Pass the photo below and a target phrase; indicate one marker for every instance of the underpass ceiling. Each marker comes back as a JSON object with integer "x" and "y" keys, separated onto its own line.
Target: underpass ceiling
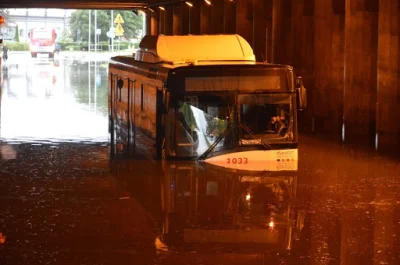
{"x": 77, "y": 4}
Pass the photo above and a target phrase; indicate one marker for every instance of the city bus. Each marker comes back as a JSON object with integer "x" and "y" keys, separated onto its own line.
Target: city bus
{"x": 206, "y": 98}
{"x": 43, "y": 41}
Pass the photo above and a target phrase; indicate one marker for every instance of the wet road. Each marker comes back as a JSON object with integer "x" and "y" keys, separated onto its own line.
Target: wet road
{"x": 63, "y": 200}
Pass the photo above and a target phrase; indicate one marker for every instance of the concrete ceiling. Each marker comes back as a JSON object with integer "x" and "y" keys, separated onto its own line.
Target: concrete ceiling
{"x": 77, "y": 4}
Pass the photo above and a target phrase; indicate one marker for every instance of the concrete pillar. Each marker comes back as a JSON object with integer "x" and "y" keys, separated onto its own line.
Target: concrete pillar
{"x": 176, "y": 28}
{"x": 260, "y": 28}
{"x": 388, "y": 122}
{"x": 282, "y": 45}
{"x": 205, "y": 11}
{"x": 195, "y": 14}
{"x": 327, "y": 97}
{"x": 169, "y": 20}
{"x": 360, "y": 84}
{"x": 229, "y": 17}
{"x": 244, "y": 19}
{"x": 217, "y": 17}
{"x": 148, "y": 22}
{"x": 184, "y": 18}
{"x": 154, "y": 18}
{"x": 161, "y": 21}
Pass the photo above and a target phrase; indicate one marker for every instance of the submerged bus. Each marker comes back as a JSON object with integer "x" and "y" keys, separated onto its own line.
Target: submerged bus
{"x": 205, "y": 98}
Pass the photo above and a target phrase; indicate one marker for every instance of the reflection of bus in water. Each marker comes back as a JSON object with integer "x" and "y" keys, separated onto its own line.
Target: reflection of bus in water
{"x": 42, "y": 40}
{"x": 208, "y": 209}
{"x": 202, "y": 209}
{"x": 205, "y": 98}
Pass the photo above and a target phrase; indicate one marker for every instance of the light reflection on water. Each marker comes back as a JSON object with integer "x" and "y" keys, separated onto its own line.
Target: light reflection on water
{"x": 46, "y": 100}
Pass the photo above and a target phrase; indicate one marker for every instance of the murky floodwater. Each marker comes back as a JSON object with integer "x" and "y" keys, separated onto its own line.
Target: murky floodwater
{"x": 52, "y": 100}
{"x": 63, "y": 200}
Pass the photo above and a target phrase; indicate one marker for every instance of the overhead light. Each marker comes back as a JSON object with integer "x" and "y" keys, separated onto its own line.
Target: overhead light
{"x": 271, "y": 224}
{"x": 162, "y": 8}
{"x": 208, "y": 2}
{"x": 189, "y": 3}
{"x": 151, "y": 9}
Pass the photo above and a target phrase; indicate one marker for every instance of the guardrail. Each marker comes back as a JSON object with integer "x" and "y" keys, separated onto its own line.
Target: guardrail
{"x": 96, "y": 47}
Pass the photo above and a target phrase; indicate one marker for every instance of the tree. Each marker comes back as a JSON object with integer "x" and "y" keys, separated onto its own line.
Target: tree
{"x": 79, "y": 24}
{"x": 65, "y": 36}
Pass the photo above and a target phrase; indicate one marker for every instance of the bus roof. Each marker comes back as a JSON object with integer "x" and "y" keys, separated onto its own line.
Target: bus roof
{"x": 194, "y": 48}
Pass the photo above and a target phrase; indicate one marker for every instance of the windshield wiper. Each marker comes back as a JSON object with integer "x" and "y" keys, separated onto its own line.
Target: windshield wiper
{"x": 248, "y": 130}
{"x": 211, "y": 148}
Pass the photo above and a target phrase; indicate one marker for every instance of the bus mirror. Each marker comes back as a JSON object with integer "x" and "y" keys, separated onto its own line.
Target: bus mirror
{"x": 167, "y": 98}
{"x": 299, "y": 81}
{"x": 301, "y": 93}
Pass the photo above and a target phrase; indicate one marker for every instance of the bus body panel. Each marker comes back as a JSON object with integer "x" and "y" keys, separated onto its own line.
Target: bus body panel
{"x": 134, "y": 107}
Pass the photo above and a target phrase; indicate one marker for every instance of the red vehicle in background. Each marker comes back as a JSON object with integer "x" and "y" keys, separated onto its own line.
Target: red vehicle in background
{"x": 42, "y": 40}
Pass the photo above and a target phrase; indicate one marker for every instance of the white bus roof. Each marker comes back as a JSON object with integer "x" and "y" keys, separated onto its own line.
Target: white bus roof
{"x": 193, "y": 48}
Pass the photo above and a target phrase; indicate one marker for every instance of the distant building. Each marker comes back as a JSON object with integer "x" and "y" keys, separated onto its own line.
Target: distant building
{"x": 28, "y": 18}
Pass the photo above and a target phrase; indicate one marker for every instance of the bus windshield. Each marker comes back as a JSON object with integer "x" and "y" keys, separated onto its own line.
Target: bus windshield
{"x": 200, "y": 122}
{"x": 42, "y": 34}
{"x": 219, "y": 121}
{"x": 265, "y": 118}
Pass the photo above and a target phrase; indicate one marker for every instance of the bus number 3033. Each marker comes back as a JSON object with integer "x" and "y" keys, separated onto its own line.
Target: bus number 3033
{"x": 237, "y": 161}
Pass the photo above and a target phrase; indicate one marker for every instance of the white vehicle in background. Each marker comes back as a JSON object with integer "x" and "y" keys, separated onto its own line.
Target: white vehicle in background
{"x": 42, "y": 40}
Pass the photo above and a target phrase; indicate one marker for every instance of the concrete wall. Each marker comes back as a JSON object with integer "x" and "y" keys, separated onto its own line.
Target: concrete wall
{"x": 346, "y": 50}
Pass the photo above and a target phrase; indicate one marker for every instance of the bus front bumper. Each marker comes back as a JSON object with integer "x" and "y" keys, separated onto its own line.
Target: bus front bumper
{"x": 258, "y": 160}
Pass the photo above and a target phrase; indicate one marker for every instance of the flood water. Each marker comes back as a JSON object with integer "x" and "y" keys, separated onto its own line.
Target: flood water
{"x": 64, "y": 200}
{"x": 53, "y": 100}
